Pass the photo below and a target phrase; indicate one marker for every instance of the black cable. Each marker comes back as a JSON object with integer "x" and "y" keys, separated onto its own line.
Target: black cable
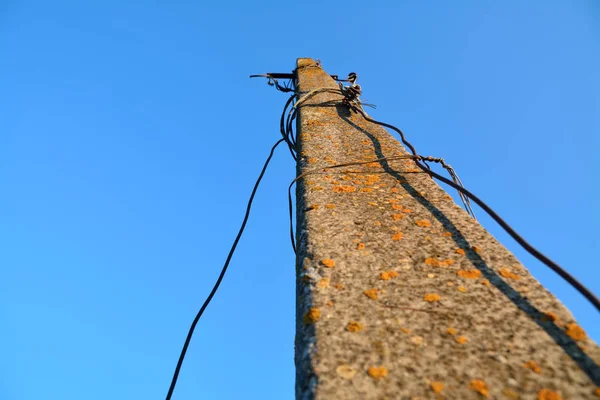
{"x": 218, "y": 282}
{"x": 530, "y": 249}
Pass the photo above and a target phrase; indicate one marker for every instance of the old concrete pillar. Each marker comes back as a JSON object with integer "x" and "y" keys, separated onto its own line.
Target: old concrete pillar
{"x": 401, "y": 294}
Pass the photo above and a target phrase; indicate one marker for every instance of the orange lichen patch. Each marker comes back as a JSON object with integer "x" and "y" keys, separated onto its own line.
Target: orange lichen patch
{"x": 469, "y": 273}
{"x": 423, "y": 223}
{"x": 485, "y": 282}
{"x": 354, "y": 326}
{"x": 510, "y": 394}
{"x": 550, "y": 316}
{"x": 327, "y": 262}
{"x": 377, "y": 223}
{"x": 393, "y": 201}
{"x": 330, "y": 303}
{"x": 575, "y": 332}
{"x": 480, "y": 387}
{"x": 432, "y": 297}
{"x": 597, "y": 392}
{"x": 394, "y": 190}
{"x": 312, "y": 160}
{"x": 462, "y": 340}
{"x": 373, "y": 165}
{"x": 460, "y": 251}
{"x": 547, "y": 394}
{"x": 451, "y": 331}
{"x": 316, "y": 188}
{"x": 323, "y": 283}
{"x": 397, "y": 217}
{"x": 437, "y": 387}
{"x": 344, "y": 189}
{"x": 462, "y": 289}
{"x": 505, "y": 272}
{"x": 314, "y": 122}
{"x": 314, "y": 206}
{"x": 360, "y": 246}
{"x": 338, "y": 286}
{"x": 397, "y": 236}
{"x": 476, "y": 249}
{"x": 372, "y": 179}
{"x": 327, "y": 177}
{"x": 405, "y": 330}
{"x": 377, "y": 372}
{"x": 407, "y": 211}
{"x": 372, "y": 203}
{"x": 330, "y": 206}
{"x": 532, "y": 365}
{"x": 447, "y": 234}
{"x": 397, "y": 207}
{"x": 373, "y": 294}
{"x": 366, "y": 190}
{"x": 312, "y": 316}
{"x": 387, "y": 275}
{"x": 434, "y": 262}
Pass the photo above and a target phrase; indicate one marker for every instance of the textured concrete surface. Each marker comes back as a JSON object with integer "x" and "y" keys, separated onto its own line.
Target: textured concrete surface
{"x": 401, "y": 294}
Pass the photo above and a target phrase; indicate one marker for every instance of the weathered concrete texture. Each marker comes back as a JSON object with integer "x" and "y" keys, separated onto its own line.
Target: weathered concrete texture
{"x": 402, "y": 295}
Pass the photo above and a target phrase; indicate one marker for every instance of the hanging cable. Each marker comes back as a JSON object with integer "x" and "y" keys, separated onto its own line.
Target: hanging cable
{"x": 528, "y": 247}
{"x": 221, "y": 275}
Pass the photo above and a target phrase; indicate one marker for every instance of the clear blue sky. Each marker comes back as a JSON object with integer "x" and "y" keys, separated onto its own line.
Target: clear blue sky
{"x": 130, "y": 138}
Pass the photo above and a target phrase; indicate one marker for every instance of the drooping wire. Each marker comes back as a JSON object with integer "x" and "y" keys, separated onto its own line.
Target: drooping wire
{"x": 222, "y": 274}
{"x": 520, "y": 240}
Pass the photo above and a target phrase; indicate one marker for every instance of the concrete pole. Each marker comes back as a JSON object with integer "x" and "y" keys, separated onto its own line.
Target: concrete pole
{"x": 401, "y": 294}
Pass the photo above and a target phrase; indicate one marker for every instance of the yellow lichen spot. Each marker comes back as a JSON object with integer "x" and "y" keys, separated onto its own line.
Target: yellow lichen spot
{"x": 462, "y": 340}
{"x": 547, "y": 394}
{"x": 460, "y": 251}
{"x": 397, "y": 236}
{"x": 344, "y": 189}
{"x": 485, "y": 282}
{"x": 372, "y": 179}
{"x": 434, "y": 262}
{"x": 405, "y": 330}
{"x": 377, "y": 372}
{"x": 360, "y": 246}
{"x": 312, "y": 316}
{"x": 387, "y": 275}
{"x": 575, "y": 332}
{"x": 354, "y": 326}
{"x": 469, "y": 273}
{"x": 532, "y": 365}
{"x": 480, "y": 387}
{"x": 345, "y": 371}
{"x": 394, "y": 190}
{"x": 397, "y": 207}
{"x": 462, "y": 289}
{"x": 397, "y": 217}
{"x": 330, "y": 206}
{"x": 506, "y": 273}
{"x": 312, "y": 160}
{"x": 451, "y": 331}
{"x": 372, "y": 203}
{"x": 327, "y": 262}
{"x": 366, "y": 190}
{"x": 323, "y": 283}
{"x": 371, "y": 293}
{"x": 437, "y": 387}
{"x": 423, "y": 223}
{"x": 432, "y": 297}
